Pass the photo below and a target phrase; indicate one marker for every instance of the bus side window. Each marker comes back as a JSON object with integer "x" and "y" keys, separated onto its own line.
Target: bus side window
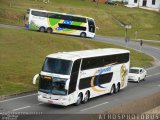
{"x": 74, "y": 76}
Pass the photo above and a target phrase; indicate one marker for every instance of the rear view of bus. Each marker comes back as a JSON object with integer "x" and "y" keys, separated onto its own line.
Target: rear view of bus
{"x": 62, "y": 23}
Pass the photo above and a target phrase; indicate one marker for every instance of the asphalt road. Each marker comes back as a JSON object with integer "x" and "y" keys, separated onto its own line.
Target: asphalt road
{"x": 97, "y": 105}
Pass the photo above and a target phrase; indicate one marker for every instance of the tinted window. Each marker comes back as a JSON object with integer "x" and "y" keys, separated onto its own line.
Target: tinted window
{"x": 79, "y": 19}
{"x": 153, "y": 2}
{"x": 66, "y": 17}
{"x": 57, "y": 66}
{"x": 74, "y": 76}
{"x": 100, "y": 61}
{"x": 72, "y": 27}
{"x": 91, "y": 25}
{"x": 38, "y": 13}
{"x": 51, "y": 86}
{"x": 136, "y": 71}
{"x": 76, "y": 66}
{"x": 98, "y": 80}
{"x": 122, "y": 58}
{"x": 135, "y": 1}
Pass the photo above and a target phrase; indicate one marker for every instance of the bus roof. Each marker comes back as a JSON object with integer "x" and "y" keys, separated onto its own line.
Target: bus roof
{"x": 87, "y": 53}
{"x": 60, "y": 13}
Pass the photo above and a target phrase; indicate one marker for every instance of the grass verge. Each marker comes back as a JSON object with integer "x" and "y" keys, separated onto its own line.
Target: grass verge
{"x": 156, "y": 44}
{"x": 145, "y": 22}
{"x": 22, "y": 54}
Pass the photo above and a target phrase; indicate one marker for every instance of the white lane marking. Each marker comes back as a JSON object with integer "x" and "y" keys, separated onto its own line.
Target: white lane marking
{"x": 18, "y": 98}
{"x": 153, "y": 75}
{"x": 94, "y": 106}
{"x": 152, "y": 67}
{"x": 21, "y": 108}
{"x": 40, "y": 103}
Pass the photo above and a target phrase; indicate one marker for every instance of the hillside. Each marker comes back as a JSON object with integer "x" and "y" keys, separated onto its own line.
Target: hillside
{"x": 145, "y": 22}
{"x": 22, "y": 54}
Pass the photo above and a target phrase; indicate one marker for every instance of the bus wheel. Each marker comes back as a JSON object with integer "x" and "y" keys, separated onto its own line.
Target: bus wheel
{"x": 86, "y": 97}
{"x": 138, "y": 80}
{"x": 79, "y": 99}
{"x": 42, "y": 29}
{"x": 49, "y": 30}
{"x": 118, "y": 87}
{"x": 112, "y": 90}
{"x": 83, "y": 34}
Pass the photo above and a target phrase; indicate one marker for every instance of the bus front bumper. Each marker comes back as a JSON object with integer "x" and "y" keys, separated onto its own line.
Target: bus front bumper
{"x": 52, "y": 101}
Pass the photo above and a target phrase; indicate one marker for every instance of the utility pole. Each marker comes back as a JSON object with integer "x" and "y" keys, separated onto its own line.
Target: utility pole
{"x": 138, "y": 3}
{"x": 136, "y": 33}
{"x": 127, "y": 26}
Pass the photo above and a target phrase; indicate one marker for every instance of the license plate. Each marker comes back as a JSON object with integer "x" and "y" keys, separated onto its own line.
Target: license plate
{"x": 50, "y": 101}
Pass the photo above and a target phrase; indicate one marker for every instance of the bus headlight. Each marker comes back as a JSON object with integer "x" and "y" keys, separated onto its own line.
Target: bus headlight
{"x": 63, "y": 98}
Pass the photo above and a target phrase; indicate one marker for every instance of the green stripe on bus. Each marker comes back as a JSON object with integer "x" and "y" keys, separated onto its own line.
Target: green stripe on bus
{"x": 53, "y": 21}
{"x": 67, "y": 30}
{"x": 76, "y": 23}
{"x": 32, "y": 26}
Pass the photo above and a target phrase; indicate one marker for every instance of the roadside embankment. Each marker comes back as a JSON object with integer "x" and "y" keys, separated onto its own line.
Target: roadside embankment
{"x": 138, "y": 106}
{"x": 155, "y": 110}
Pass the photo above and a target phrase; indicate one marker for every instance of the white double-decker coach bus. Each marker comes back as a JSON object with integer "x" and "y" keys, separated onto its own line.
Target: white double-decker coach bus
{"x": 74, "y": 77}
{"x": 62, "y": 23}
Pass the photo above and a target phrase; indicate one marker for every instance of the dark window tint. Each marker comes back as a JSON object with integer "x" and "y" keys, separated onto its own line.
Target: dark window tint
{"x": 72, "y": 27}
{"x": 135, "y": 1}
{"x": 38, "y": 13}
{"x": 91, "y": 25}
{"x": 98, "y": 80}
{"x": 76, "y": 66}
{"x": 45, "y": 84}
{"x": 79, "y": 19}
{"x": 74, "y": 76}
{"x": 122, "y": 58}
{"x": 136, "y": 71}
{"x": 58, "y": 66}
{"x": 66, "y": 17}
{"x": 100, "y": 61}
{"x": 51, "y": 86}
{"x": 153, "y": 2}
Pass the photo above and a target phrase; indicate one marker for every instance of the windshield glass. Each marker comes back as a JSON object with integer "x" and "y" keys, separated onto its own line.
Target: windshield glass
{"x": 136, "y": 71}
{"x": 57, "y": 66}
{"x": 91, "y": 25}
{"x": 52, "y": 86}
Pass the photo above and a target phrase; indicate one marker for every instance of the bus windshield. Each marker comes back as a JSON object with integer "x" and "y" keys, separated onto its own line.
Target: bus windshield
{"x": 55, "y": 87}
{"x": 57, "y": 66}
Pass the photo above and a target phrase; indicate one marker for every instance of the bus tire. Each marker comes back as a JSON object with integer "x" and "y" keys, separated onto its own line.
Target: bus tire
{"x": 144, "y": 78}
{"x": 86, "y": 97}
{"x": 83, "y": 34}
{"x": 42, "y": 29}
{"x": 118, "y": 87}
{"x": 112, "y": 89}
{"x": 49, "y": 30}
{"x": 79, "y": 100}
{"x": 138, "y": 80}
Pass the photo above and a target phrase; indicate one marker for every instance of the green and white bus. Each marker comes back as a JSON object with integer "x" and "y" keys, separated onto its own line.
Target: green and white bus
{"x": 62, "y": 23}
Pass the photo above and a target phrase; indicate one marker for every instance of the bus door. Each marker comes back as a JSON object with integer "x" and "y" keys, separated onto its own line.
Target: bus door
{"x": 91, "y": 25}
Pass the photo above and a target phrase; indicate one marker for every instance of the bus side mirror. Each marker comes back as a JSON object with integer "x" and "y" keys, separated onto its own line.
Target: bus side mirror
{"x": 35, "y": 78}
{"x": 67, "y": 85}
{"x": 97, "y": 27}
